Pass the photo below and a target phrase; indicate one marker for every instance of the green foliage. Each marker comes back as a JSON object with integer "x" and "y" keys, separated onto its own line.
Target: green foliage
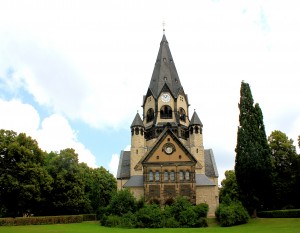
{"x": 100, "y": 185}
{"x": 121, "y": 203}
{"x": 253, "y": 157}
{"x": 229, "y": 187}
{"x": 201, "y": 210}
{"x": 67, "y": 196}
{"x": 20, "y": 221}
{"x": 22, "y": 174}
{"x": 150, "y": 216}
{"x": 232, "y": 214}
{"x": 285, "y": 173}
{"x": 295, "y": 213}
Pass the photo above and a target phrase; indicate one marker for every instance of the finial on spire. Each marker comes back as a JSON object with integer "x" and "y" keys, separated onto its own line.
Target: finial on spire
{"x": 164, "y": 24}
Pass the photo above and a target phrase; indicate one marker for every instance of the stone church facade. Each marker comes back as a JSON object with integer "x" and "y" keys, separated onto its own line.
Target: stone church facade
{"x": 167, "y": 156}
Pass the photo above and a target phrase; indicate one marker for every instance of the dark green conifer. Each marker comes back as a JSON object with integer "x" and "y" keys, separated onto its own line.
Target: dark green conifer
{"x": 253, "y": 157}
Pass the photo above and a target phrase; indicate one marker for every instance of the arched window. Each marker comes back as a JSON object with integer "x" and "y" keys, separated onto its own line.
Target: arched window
{"x": 137, "y": 131}
{"x": 196, "y": 130}
{"x": 191, "y": 130}
{"x": 166, "y": 112}
{"x": 181, "y": 177}
{"x": 187, "y": 175}
{"x": 182, "y": 115}
{"x": 172, "y": 176}
{"x": 157, "y": 176}
{"x": 150, "y": 115}
{"x": 166, "y": 176}
{"x": 150, "y": 176}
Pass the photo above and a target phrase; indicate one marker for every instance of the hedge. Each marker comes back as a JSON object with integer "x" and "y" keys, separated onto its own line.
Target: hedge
{"x": 41, "y": 220}
{"x": 294, "y": 213}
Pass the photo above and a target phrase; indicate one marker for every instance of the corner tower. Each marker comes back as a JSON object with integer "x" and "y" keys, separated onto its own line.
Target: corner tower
{"x": 167, "y": 156}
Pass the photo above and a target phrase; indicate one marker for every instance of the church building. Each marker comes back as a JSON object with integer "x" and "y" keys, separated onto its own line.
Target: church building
{"x": 167, "y": 156}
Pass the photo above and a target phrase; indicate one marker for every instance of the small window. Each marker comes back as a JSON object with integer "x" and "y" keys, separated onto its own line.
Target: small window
{"x": 165, "y": 78}
{"x": 150, "y": 176}
{"x": 187, "y": 175}
{"x": 179, "y": 156}
{"x": 164, "y": 59}
{"x": 137, "y": 131}
{"x": 157, "y": 157}
{"x": 157, "y": 176}
{"x": 166, "y": 176}
{"x": 137, "y": 151}
{"x": 172, "y": 176}
{"x": 181, "y": 175}
{"x": 196, "y": 130}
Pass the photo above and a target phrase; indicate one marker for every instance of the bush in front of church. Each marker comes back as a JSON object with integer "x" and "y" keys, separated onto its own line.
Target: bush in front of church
{"x": 231, "y": 213}
{"x": 125, "y": 211}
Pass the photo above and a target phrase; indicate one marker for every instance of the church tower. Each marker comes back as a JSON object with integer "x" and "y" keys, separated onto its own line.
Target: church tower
{"x": 167, "y": 156}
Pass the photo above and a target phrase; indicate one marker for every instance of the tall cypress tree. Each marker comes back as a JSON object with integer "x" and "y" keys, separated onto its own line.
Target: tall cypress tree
{"x": 253, "y": 157}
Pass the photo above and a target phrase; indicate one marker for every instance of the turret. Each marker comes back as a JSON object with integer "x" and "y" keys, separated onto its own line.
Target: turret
{"x": 196, "y": 142}
{"x": 137, "y": 144}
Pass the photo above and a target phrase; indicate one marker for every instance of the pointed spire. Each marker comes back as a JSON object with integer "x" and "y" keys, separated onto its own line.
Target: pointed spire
{"x": 165, "y": 73}
{"x": 195, "y": 120}
{"x": 137, "y": 121}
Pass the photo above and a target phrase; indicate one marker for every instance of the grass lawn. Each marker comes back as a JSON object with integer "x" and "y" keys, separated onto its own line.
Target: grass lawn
{"x": 262, "y": 225}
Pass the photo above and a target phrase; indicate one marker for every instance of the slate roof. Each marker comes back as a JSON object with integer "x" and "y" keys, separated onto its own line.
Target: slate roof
{"x": 210, "y": 164}
{"x": 165, "y": 74}
{"x": 195, "y": 120}
{"x": 124, "y": 165}
{"x": 134, "y": 181}
{"x": 202, "y": 180}
{"x": 137, "y": 121}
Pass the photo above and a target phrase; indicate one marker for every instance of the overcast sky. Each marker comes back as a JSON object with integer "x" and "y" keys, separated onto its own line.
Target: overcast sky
{"x": 73, "y": 73}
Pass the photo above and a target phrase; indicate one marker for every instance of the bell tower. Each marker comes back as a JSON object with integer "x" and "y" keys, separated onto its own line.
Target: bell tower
{"x": 165, "y": 102}
{"x": 167, "y": 157}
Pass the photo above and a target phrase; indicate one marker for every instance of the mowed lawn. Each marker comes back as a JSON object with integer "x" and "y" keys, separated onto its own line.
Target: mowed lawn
{"x": 270, "y": 225}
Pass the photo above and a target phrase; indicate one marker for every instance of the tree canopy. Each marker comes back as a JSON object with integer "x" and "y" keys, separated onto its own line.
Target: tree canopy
{"x": 36, "y": 182}
{"x": 285, "y": 171}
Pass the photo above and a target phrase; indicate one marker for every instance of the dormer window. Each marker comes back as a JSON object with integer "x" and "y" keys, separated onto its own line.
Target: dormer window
{"x": 166, "y": 112}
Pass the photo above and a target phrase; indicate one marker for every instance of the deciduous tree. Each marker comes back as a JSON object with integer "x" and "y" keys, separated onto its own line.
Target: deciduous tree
{"x": 24, "y": 183}
{"x": 285, "y": 170}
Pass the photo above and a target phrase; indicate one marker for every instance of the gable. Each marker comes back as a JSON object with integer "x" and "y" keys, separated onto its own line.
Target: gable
{"x": 169, "y": 150}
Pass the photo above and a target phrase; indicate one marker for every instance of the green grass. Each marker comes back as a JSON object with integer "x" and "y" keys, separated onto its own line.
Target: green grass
{"x": 262, "y": 225}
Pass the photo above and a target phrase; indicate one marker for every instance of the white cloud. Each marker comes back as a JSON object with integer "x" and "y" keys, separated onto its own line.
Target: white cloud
{"x": 54, "y": 134}
{"x": 113, "y": 164}
{"x": 93, "y": 60}
{"x": 19, "y": 117}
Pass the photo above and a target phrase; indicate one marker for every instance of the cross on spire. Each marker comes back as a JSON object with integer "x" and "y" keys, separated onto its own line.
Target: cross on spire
{"x": 164, "y": 24}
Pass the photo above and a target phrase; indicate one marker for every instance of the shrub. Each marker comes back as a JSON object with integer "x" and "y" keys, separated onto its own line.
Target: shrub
{"x": 41, "y": 220}
{"x": 112, "y": 221}
{"x": 232, "y": 214}
{"x": 201, "y": 210}
{"x": 121, "y": 203}
{"x": 150, "y": 216}
{"x": 171, "y": 223}
{"x": 89, "y": 217}
{"x": 280, "y": 214}
{"x": 129, "y": 220}
{"x": 188, "y": 217}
